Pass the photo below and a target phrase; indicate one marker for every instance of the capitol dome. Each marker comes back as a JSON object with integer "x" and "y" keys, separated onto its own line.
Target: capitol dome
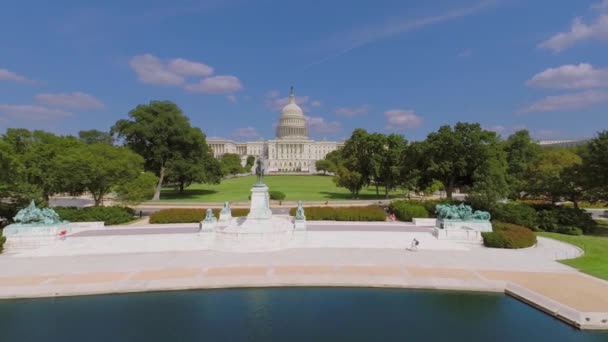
{"x": 292, "y": 123}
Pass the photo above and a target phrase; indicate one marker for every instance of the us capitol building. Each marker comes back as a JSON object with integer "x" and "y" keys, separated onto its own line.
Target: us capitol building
{"x": 291, "y": 151}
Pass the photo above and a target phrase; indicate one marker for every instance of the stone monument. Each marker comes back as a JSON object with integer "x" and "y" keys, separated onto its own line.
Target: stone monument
{"x": 35, "y": 227}
{"x": 209, "y": 223}
{"x": 461, "y": 222}
{"x": 31, "y": 215}
{"x": 225, "y": 213}
{"x": 260, "y": 199}
{"x": 299, "y": 222}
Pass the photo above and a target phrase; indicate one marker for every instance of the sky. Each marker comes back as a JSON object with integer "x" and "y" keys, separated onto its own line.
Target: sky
{"x": 400, "y": 66}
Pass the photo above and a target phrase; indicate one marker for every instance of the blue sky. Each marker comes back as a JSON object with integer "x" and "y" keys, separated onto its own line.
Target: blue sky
{"x": 388, "y": 66}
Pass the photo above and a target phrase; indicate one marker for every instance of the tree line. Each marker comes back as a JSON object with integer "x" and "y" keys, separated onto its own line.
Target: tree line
{"x": 155, "y": 146}
{"x": 473, "y": 160}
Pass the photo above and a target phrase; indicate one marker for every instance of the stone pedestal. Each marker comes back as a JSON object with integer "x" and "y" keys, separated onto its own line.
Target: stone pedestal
{"x": 299, "y": 224}
{"x": 208, "y": 226}
{"x": 33, "y": 236}
{"x": 479, "y": 226}
{"x": 260, "y": 203}
{"x": 225, "y": 216}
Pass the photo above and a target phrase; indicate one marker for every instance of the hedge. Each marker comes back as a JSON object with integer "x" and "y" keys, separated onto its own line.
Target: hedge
{"x": 510, "y": 236}
{"x": 277, "y": 195}
{"x": 109, "y": 215}
{"x": 2, "y": 241}
{"x": 515, "y": 213}
{"x": 556, "y": 219}
{"x": 189, "y": 215}
{"x": 368, "y": 213}
{"x": 406, "y": 211}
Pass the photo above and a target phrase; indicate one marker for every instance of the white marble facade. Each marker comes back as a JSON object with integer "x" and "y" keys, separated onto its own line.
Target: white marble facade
{"x": 291, "y": 150}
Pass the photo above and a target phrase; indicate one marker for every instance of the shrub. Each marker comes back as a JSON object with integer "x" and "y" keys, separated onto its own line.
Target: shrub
{"x": 515, "y": 213}
{"x": 178, "y": 216}
{"x": 551, "y": 218}
{"x": 369, "y": 213}
{"x": 406, "y": 211}
{"x": 189, "y": 215}
{"x": 507, "y": 235}
{"x": 493, "y": 240}
{"x": 237, "y": 212}
{"x": 569, "y": 230}
{"x": 2, "y": 241}
{"x": 109, "y": 215}
{"x": 277, "y": 195}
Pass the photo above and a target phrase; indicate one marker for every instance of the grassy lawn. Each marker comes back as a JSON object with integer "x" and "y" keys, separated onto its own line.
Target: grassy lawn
{"x": 307, "y": 188}
{"x": 595, "y": 259}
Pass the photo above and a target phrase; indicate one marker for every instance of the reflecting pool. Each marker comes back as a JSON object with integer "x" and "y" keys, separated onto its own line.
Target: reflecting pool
{"x": 283, "y": 314}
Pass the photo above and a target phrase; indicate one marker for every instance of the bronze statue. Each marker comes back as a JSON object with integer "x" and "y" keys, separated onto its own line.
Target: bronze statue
{"x": 259, "y": 171}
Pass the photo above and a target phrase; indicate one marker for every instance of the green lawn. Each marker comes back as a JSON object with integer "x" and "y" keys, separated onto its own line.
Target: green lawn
{"x": 306, "y": 188}
{"x": 595, "y": 259}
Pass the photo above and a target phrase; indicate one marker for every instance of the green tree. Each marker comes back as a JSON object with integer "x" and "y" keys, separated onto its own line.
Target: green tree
{"x": 413, "y": 176}
{"x": 335, "y": 158}
{"x": 390, "y": 168}
{"x": 357, "y": 162}
{"x": 15, "y": 191}
{"x": 325, "y": 166}
{"x": 249, "y": 163}
{"x": 461, "y": 156}
{"x": 160, "y": 133}
{"x": 350, "y": 180}
{"x": 137, "y": 190}
{"x": 595, "y": 166}
{"x": 94, "y": 136}
{"x": 522, "y": 154}
{"x": 98, "y": 168}
{"x": 195, "y": 165}
{"x": 231, "y": 164}
{"x": 37, "y": 153}
{"x": 553, "y": 174}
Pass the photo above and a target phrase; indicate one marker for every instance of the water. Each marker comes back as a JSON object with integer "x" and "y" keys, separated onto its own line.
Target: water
{"x": 283, "y": 314}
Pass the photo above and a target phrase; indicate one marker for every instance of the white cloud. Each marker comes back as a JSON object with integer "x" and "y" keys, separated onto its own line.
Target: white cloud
{"x": 277, "y": 103}
{"x": 216, "y": 85}
{"x": 7, "y": 75}
{"x": 189, "y": 68}
{"x": 579, "y": 31}
{"x": 400, "y": 119}
{"x": 570, "y": 76}
{"x": 151, "y": 70}
{"x": 231, "y": 98}
{"x": 319, "y": 125}
{"x": 245, "y": 132}
{"x": 580, "y": 100}
{"x": 75, "y": 100}
{"x": 316, "y": 104}
{"x": 353, "y": 111}
{"x": 29, "y": 112}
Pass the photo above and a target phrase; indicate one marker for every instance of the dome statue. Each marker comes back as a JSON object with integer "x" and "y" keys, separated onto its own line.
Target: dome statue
{"x": 292, "y": 123}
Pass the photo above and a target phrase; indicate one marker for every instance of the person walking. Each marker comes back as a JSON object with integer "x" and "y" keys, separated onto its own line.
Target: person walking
{"x": 414, "y": 246}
